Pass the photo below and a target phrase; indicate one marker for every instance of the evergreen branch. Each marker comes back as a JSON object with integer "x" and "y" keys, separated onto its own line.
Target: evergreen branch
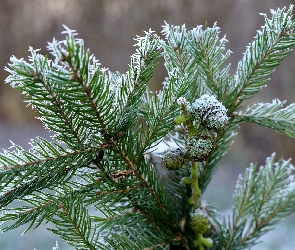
{"x": 261, "y": 199}
{"x": 144, "y": 182}
{"x": 74, "y": 224}
{"x": 177, "y": 53}
{"x": 198, "y": 58}
{"x": 109, "y": 121}
{"x": 269, "y": 47}
{"x": 180, "y": 62}
{"x": 158, "y": 191}
{"x": 143, "y": 177}
{"x": 147, "y": 184}
{"x": 23, "y": 215}
{"x": 77, "y": 61}
{"x": 133, "y": 85}
{"x": 44, "y": 205}
{"x": 86, "y": 81}
{"x": 95, "y": 91}
{"x": 143, "y": 173}
{"x": 71, "y": 47}
{"x": 271, "y": 115}
{"x": 24, "y": 172}
{"x": 32, "y": 78}
{"x": 131, "y": 90}
{"x": 137, "y": 208}
{"x": 159, "y": 115}
{"x": 136, "y": 237}
{"x": 210, "y": 57}
{"x": 159, "y": 110}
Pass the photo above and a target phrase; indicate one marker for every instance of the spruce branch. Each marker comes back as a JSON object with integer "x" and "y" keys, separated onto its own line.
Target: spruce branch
{"x": 271, "y": 115}
{"x": 34, "y": 216}
{"x": 95, "y": 182}
{"x": 268, "y": 49}
{"x": 36, "y": 80}
{"x": 72, "y": 70}
{"x": 73, "y": 224}
{"x": 209, "y": 52}
{"x": 88, "y": 82}
{"x": 176, "y": 48}
{"x": 262, "y": 198}
{"x": 131, "y": 87}
{"x": 198, "y": 55}
{"x": 24, "y": 172}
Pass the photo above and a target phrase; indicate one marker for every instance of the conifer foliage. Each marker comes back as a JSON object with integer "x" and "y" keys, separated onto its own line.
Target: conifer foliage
{"x": 94, "y": 181}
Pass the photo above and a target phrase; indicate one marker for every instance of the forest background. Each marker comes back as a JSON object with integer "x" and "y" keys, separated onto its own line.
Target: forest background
{"x": 108, "y": 28}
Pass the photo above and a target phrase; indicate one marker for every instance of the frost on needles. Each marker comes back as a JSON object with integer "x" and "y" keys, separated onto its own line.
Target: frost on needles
{"x": 94, "y": 180}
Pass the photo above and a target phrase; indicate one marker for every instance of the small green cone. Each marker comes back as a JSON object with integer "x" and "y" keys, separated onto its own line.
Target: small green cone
{"x": 199, "y": 222}
{"x": 199, "y": 147}
{"x": 173, "y": 159}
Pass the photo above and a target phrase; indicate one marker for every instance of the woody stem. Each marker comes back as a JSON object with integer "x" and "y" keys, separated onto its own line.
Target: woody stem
{"x": 196, "y": 191}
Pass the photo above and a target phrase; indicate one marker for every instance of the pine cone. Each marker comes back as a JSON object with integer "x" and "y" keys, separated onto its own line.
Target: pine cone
{"x": 199, "y": 147}
{"x": 173, "y": 159}
{"x": 210, "y": 112}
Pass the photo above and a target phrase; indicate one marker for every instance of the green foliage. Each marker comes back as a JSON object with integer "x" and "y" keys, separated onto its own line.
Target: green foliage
{"x": 269, "y": 47}
{"x": 261, "y": 199}
{"x": 94, "y": 181}
{"x": 271, "y": 115}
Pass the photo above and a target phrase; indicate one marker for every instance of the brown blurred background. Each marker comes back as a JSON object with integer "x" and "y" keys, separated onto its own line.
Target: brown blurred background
{"x": 108, "y": 28}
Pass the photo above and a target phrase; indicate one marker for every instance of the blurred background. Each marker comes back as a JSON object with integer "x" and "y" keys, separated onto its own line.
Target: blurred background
{"x": 108, "y": 28}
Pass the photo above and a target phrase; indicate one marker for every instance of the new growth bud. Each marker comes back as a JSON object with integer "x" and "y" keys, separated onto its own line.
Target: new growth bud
{"x": 173, "y": 159}
{"x": 199, "y": 147}
{"x": 199, "y": 222}
{"x": 209, "y": 111}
